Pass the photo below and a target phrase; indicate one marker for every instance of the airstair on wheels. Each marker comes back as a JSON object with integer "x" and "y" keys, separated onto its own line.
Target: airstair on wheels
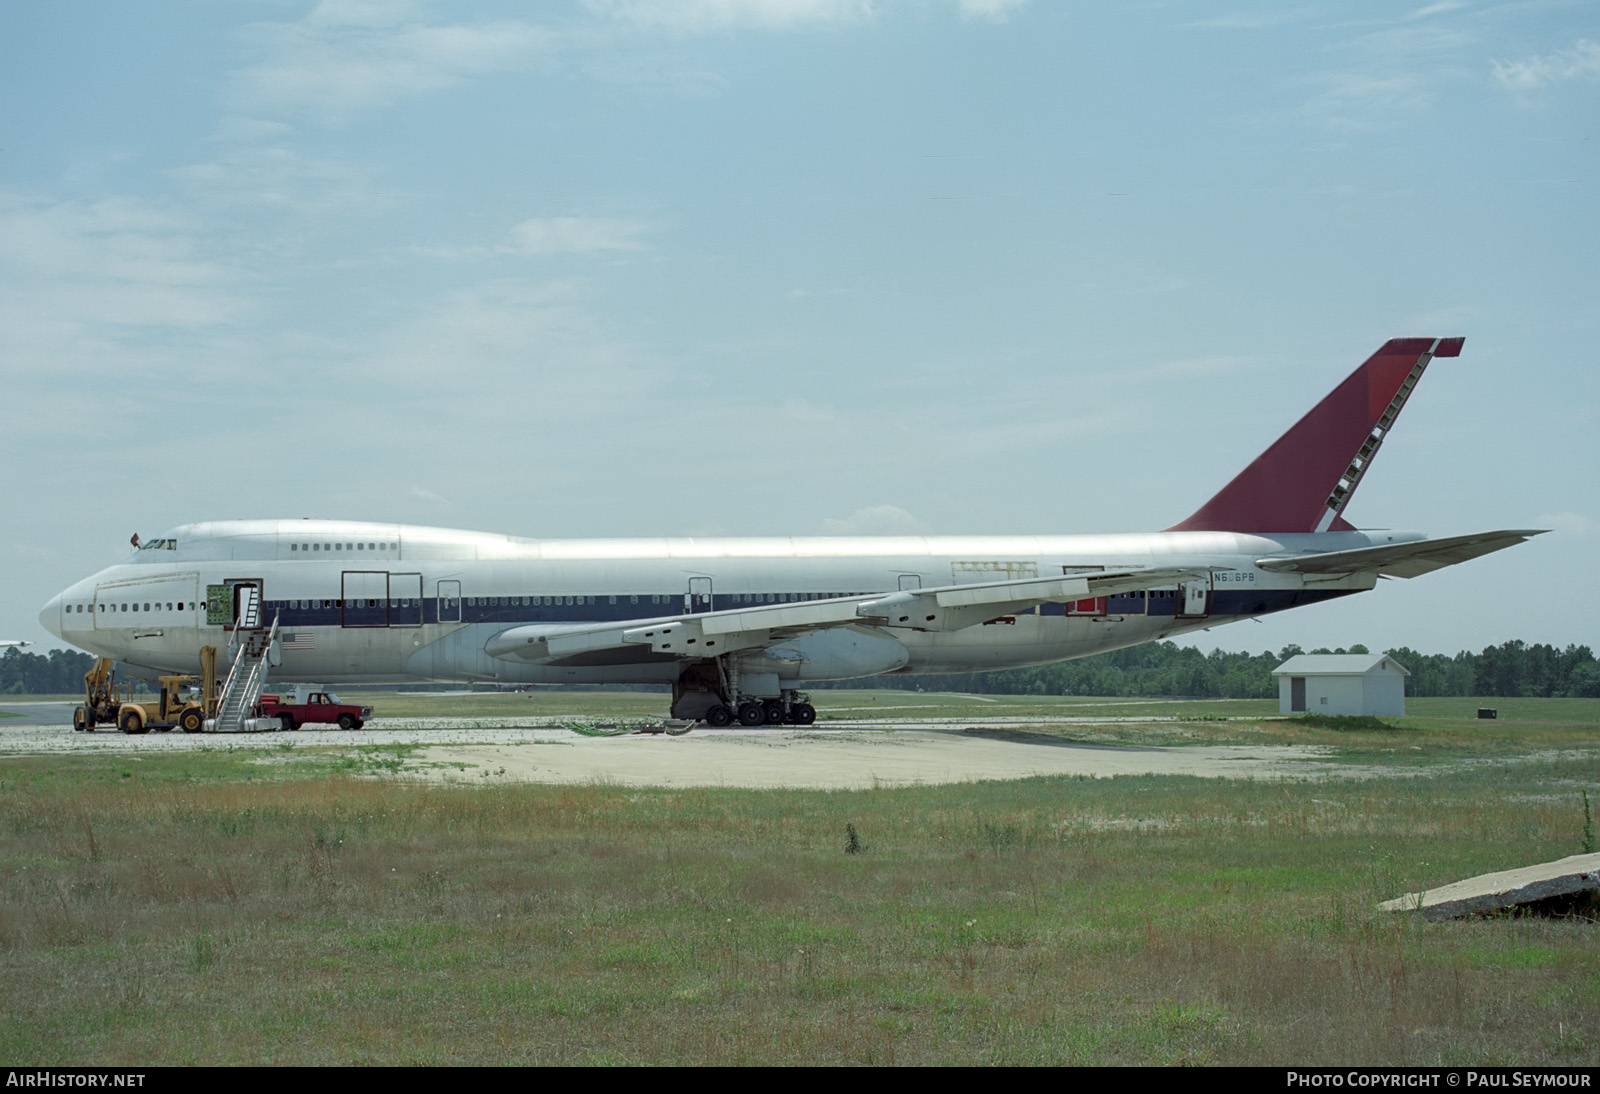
{"x": 250, "y": 646}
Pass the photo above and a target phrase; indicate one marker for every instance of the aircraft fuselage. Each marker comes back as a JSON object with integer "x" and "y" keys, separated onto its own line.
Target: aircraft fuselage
{"x": 386, "y": 603}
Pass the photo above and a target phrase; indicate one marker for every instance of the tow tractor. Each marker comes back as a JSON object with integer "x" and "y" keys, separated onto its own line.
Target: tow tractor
{"x": 106, "y": 702}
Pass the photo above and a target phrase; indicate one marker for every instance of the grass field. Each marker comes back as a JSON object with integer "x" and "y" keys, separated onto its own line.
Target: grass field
{"x": 205, "y": 908}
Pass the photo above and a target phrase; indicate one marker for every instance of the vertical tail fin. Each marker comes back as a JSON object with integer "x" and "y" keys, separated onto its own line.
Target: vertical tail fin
{"x": 1304, "y": 481}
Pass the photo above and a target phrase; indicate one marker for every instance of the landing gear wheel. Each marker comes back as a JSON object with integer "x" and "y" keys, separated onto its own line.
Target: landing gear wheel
{"x": 191, "y": 722}
{"x": 802, "y": 714}
{"x": 130, "y": 722}
{"x": 751, "y": 714}
{"x": 719, "y": 716}
{"x": 346, "y": 722}
{"x": 287, "y": 722}
{"x": 772, "y": 712}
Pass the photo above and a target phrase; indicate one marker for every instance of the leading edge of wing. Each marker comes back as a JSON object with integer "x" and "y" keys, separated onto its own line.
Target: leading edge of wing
{"x": 708, "y": 634}
{"x": 1403, "y": 559}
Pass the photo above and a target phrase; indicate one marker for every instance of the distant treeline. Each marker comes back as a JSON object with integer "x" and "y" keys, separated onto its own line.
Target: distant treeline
{"x": 1155, "y": 668}
{"x": 1167, "y": 669}
{"x": 55, "y": 673}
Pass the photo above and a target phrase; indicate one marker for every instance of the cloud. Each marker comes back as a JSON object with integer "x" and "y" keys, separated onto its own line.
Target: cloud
{"x": 1263, "y": 19}
{"x": 995, "y": 11}
{"x": 1364, "y": 101}
{"x": 550, "y": 236}
{"x": 250, "y": 130}
{"x": 345, "y": 57}
{"x": 504, "y": 336}
{"x": 114, "y": 311}
{"x": 278, "y": 178}
{"x": 1581, "y": 62}
{"x": 701, "y": 16}
{"x": 1567, "y": 523}
{"x": 76, "y": 265}
{"x": 706, "y": 16}
{"x": 574, "y": 235}
{"x": 875, "y": 520}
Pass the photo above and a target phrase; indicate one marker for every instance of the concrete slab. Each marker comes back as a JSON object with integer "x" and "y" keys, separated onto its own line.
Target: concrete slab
{"x": 1504, "y": 890}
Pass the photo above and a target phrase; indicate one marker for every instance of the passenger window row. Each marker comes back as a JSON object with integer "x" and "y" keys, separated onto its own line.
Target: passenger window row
{"x": 124, "y": 606}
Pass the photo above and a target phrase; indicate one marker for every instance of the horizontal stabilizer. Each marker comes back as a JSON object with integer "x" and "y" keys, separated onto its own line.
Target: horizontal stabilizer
{"x": 1401, "y": 559}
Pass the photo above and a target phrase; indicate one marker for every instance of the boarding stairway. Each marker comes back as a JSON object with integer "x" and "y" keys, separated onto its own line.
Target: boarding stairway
{"x": 250, "y": 645}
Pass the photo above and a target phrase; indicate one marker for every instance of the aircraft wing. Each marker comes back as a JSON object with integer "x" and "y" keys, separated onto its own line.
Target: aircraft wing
{"x": 708, "y": 634}
{"x": 1401, "y": 559}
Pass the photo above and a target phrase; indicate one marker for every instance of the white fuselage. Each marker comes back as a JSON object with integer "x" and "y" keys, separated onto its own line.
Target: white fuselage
{"x": 384, "y": 603}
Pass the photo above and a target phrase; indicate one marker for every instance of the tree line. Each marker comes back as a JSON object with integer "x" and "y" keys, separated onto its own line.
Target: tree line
{"x": 58, "y": 672}
{"x": 1512, "y": 669}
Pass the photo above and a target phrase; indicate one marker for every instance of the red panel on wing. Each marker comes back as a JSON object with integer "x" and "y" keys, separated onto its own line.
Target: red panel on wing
{"x": 1287, "y": 487}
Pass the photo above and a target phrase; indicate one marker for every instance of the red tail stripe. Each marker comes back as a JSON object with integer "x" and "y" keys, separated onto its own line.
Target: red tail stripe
{"x": 1287, "y": 487}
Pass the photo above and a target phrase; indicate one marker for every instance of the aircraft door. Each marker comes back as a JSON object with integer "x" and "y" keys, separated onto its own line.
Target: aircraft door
{"x": 161, "y": 602}
{"x": 698, "y": 598}
{"x": 449, "y": 601}
{"x": 364, "y": 599}
{"x": 910, "y": 582}
{"x": 405, "y": 600}
{"x": 1195, "y": 598}
{"x": 236, "y": 604}
{"x": 247, "y": 607}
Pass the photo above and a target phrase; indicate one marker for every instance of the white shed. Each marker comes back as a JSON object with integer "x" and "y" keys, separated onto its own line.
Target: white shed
{"x": 1341, "y": 683}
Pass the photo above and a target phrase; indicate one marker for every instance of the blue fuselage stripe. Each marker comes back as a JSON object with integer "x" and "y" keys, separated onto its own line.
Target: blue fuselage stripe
{"x": 519, "y": 610}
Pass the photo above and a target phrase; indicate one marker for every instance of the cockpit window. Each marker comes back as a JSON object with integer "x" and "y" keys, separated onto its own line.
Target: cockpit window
{"x": 159, "y": 545}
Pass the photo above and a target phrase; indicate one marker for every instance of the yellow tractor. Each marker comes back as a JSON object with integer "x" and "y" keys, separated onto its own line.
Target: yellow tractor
{"x": 107, "y": 702}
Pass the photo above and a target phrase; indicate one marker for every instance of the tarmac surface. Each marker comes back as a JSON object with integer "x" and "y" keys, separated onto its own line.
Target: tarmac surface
{"x": 837, "y": 754}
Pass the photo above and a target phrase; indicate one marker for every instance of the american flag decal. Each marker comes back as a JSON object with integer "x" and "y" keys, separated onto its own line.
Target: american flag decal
{"x": 298, "y": 640}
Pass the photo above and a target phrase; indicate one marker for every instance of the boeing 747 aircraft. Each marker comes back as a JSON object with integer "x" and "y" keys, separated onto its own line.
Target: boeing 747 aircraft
{"x": 738, "y": 626}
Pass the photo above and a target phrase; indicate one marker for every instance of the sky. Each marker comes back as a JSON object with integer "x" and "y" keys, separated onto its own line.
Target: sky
{"x": 710, "y": 267}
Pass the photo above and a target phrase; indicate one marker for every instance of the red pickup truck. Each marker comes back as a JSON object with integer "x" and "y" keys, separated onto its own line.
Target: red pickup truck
{"x": 318, "y": 706}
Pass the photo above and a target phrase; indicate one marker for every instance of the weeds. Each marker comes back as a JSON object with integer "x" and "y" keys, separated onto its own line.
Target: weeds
{"x": 852, "y": 841}
{"x": 328, "y": 917}
{"x": 1342, "y": 722}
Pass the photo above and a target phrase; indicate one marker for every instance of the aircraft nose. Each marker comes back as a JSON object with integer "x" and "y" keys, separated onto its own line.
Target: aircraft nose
{"x": 50, "y": 616}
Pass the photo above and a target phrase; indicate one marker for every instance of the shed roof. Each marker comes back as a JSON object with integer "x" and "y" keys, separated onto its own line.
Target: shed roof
{"x": 1338, "y": 664}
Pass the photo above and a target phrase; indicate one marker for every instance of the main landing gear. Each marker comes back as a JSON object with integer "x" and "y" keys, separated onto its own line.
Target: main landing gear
{"x": 787, "y": 711}
{"x": 711, "y": 692}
